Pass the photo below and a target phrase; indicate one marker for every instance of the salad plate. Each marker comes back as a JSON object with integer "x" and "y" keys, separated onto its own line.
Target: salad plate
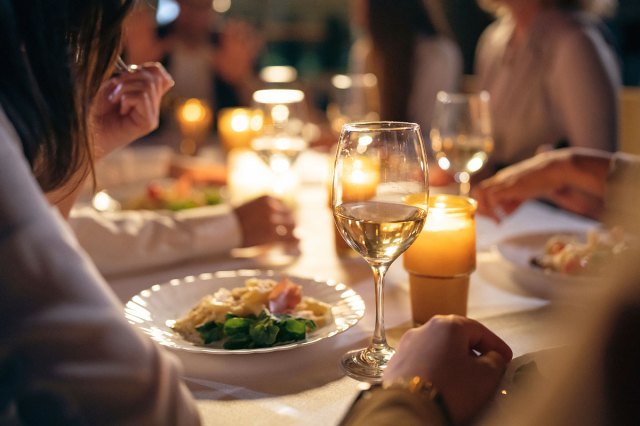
{"x": 156, "y": 309}
{"x": 162, "y": 194}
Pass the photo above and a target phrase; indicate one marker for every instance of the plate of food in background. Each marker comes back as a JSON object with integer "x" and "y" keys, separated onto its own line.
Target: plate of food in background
{"x": 548, "y": 264}
{"x": 168, "y": 194}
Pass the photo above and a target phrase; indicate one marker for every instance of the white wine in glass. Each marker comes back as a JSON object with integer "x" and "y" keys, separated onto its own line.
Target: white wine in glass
{"x": 461, "y": 136}
{"x": 383, "y": 226}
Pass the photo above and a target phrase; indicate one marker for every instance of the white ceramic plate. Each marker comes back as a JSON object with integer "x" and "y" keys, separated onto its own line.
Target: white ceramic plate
{"x": 518, "y": 251}
{"x": 154, "y": 310}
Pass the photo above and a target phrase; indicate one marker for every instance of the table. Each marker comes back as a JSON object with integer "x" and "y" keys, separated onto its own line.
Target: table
{"x": 305, "y": 386}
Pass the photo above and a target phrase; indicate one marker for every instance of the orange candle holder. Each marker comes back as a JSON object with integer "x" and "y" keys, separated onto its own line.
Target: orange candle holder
{"x": 442, "y": 258}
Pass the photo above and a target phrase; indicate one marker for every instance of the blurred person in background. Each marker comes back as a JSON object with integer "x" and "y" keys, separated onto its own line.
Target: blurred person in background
{"x": 407, "y": 45}
{"x": 209, "y": 59}
{"x": 553, "y": 76}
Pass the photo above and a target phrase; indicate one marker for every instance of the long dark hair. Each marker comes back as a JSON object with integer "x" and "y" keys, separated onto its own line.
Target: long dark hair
{"x": 56, "y": 54}
{"x": 394, "y": 26}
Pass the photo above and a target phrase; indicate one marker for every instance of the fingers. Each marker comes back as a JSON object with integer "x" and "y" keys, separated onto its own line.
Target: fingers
{"x": 483, "y": 340}
{"x": 266, "y": 220}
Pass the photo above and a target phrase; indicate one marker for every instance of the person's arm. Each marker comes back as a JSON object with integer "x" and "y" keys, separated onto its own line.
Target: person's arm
{"x": 459, "y": 359}
{"x": 584, "y": 80}
{"x": 73, "y": 357}
{"x": 124, "y": 241}
{"x": 574, "y": 179}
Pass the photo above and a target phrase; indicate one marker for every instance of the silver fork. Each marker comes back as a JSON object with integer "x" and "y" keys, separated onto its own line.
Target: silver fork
{"x": 122, "y": 66}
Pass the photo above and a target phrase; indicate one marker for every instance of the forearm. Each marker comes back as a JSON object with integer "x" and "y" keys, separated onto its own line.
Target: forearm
{"x": 151, "y": 239}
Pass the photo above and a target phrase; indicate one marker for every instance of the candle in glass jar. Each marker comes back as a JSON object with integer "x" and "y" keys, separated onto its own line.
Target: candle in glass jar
{"x": 446, "y": 247}
{"x": 361, "y": 180}
{"x": 194, "y": 118}
{"x": 442, "y": 258}
{"x": 238, "y": 126}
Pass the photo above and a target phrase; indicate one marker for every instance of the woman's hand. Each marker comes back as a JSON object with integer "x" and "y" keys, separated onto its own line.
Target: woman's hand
{"x": 127, "y": 106}
{"x": 574, "y": 179}
{"x": 462, "y": 358}
{"x": 265, "y": 220}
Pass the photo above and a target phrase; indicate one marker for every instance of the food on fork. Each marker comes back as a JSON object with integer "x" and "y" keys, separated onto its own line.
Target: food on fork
{"x": 567, "y": 255}
{"x": 262, "y": 313}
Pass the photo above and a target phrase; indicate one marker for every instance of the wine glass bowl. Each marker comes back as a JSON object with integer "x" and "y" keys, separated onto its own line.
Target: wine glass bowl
{"x": 282, "y": 137}
{"x": 373, "y": 216}
{"x": 461, "y": 134}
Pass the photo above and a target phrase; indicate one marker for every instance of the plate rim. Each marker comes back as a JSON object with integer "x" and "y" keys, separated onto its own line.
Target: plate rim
{"x": 354, "y": 297}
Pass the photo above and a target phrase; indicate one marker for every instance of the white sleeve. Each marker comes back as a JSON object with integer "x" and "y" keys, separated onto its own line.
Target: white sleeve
{"x": 63, "y": 337}
{"x": 127, "y": 240}
{"x": 584, "y": 82}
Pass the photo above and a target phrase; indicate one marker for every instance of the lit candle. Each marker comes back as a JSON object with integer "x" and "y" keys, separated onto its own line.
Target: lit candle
{"x": 238, "y": 126}
{"x": 361, "y": 180}
{"x": 194, "y": 118}
{"x": 441, "y": 259}
{"x": 360, "y": 183}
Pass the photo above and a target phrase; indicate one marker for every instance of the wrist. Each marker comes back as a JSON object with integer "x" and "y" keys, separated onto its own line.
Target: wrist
{"x": 416, "y": 385}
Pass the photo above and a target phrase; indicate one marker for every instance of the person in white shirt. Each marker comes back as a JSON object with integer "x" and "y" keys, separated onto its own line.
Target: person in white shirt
{"x": 552, "y": 74}
{"x": 67, "y": 355}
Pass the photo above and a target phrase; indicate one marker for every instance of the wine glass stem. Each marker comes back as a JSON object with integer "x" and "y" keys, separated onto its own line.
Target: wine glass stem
{"x": 379, "y": 341}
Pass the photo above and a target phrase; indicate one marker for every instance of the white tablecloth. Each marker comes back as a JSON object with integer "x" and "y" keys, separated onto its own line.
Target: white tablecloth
{"x": 305, "y": 386}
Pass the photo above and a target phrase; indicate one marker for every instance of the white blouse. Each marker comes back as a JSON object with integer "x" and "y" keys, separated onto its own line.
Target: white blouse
{"x": 560, "y": 83}
{"x": 64, "y": 343}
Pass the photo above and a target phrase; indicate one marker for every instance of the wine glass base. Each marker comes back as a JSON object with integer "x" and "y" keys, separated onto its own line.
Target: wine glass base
{"x": 366, "y": 365}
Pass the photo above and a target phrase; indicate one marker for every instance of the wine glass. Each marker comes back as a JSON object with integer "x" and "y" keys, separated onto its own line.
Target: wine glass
{"x": 381, "y": 225}
{"x": 354, "y": 97}
{"x": 283, "y": 135}
{"x": 461, "y": 135}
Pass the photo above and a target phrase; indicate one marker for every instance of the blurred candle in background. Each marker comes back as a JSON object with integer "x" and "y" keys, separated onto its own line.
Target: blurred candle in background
{"x": 362, "y": 176}
{"x": 238, "y": 126}
{"x": 194, "y": 118}
{"x": 442, "y": 258}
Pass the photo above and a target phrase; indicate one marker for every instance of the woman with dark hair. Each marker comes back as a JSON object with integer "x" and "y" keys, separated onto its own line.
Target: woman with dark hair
{"x": 553, "y": 76}
{"x": 407, "y": 47}
{"x": 67, "y": 355}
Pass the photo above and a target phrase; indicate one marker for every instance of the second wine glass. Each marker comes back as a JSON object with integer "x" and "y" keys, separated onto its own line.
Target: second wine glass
{"x": 461, "y": 136}
{"x": 381, "y": 225}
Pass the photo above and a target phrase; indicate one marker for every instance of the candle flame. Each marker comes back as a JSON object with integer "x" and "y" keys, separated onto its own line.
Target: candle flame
{"x": 240, "y": 122}
{"x": 193, "y": 110}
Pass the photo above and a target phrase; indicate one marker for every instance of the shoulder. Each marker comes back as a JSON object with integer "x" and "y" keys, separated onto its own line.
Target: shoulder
{"x": 497, "y": 34}
{"x": 570, "y": 31}
{"x": 578, "y": 41}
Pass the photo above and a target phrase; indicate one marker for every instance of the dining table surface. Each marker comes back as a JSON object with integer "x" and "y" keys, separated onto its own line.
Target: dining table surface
{"x": 305, "y": 385}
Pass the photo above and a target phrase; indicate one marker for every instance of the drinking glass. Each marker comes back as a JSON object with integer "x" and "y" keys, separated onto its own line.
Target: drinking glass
{"x": 354, "y": 97}
{"x": 381, "y": 225}
{"x": 461, "y": 135}
{"x": 283, "y": 134}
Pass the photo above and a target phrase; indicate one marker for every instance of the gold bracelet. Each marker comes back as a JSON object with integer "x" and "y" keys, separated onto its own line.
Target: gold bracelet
{"x": 419, "y": 386}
